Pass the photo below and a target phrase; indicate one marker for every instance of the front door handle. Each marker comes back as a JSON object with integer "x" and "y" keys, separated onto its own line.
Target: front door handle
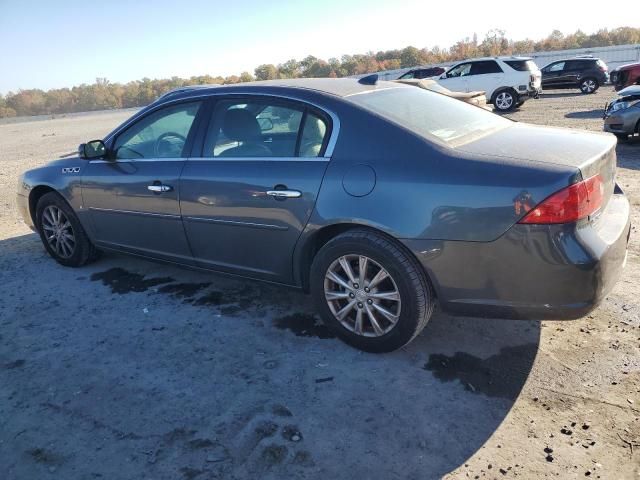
{"x": 284, "y": 193}
{"x": 159, "y": 188}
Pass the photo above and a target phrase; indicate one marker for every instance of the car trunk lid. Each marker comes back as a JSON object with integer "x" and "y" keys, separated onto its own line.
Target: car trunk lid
{"x": 590, "y": 153}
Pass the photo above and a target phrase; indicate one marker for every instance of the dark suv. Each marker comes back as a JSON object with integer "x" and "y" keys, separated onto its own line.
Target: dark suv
{"x": 422, "y": 73}
{"x": 585, "y": 73}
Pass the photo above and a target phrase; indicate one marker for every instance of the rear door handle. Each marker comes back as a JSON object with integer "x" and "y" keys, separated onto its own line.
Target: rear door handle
{"x": 284, "y": 193}
{"x": 160, "y": 188}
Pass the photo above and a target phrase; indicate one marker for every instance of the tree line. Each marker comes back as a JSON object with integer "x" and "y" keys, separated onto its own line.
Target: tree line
{"x": 104, "y": 95}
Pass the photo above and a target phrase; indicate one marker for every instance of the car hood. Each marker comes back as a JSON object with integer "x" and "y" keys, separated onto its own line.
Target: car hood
{"x": 628, "y": 66}
{"x": 631, "y": 90}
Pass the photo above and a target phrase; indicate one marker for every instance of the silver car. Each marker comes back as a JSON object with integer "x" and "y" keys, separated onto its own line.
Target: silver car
{"x": 622, "y": 116}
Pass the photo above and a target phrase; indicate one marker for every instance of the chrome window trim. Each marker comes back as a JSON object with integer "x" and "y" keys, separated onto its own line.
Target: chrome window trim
{"x": 219, "y": 159}
{"x": 335, "y": 121}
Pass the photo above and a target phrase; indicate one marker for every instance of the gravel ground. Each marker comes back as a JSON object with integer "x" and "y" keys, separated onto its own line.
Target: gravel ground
{"x": 128, "y": 369}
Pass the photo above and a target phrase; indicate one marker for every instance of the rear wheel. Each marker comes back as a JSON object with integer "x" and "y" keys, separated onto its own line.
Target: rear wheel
{"x": 370, "y": 292}
{"x": 61, "y": 232}
{"x": 589, "y": 85}
{"x": 505, "y": 100}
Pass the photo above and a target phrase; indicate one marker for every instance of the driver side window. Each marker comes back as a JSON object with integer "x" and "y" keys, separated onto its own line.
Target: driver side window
{"x": 161, "y": 134}
{"x": 556, "y": 67}
{"x": 459, "y": 71}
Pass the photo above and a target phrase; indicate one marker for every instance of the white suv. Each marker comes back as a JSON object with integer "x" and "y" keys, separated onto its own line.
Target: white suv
{"x": 506, "y": 81}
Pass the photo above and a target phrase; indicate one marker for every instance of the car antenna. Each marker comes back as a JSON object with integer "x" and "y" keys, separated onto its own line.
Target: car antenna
{"x": 369, "y": 79}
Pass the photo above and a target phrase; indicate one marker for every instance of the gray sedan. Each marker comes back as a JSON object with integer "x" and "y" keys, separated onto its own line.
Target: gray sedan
{"x": 379, "y": 199}
{"x": 622, "y": 116}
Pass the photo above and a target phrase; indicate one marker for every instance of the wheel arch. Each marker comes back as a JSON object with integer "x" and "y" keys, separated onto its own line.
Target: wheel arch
{"x": 322, "y": 235}
{"x": 36, "y": 194}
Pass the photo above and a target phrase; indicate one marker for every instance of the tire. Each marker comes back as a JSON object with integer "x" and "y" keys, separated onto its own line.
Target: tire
{"x": 589, "y": 85}
{"x": 505, "y": 100}
{"x": 70, "y": 252}
{"x": 407, "y": 282}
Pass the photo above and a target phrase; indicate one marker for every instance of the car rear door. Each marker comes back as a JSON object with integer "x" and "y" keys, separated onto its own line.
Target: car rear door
{"x": 132, "y": 196}
{"x": 246, "y": 199}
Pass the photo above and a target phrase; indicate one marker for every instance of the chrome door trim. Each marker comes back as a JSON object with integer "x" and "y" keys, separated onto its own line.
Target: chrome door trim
{"x": 235, "y": 223}
{"x": 134, "y": 160}
{"x": 335, "y": 128}
{"x": 135, "y": 212}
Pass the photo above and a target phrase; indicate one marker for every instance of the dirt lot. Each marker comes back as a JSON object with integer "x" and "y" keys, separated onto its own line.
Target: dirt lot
{"x": 128, "y": 369}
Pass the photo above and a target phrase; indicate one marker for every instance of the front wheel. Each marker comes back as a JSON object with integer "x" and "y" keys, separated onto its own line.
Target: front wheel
{"x": 61, "y": 232}
{"x": 505, "y": 101}
{"x": 370, "y": 292}
{"x": 589, "y": 85}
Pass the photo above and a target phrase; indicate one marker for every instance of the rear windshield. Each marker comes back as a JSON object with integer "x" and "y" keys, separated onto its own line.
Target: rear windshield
{"x": 522, "y": 65}
{"x": 431, "y": 115}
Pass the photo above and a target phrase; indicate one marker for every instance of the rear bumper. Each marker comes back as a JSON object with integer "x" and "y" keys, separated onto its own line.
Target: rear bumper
{"x": 532, "y": 271}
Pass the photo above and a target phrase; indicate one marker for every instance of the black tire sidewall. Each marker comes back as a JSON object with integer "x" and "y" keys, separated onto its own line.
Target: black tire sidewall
{"x": 83, "y": 249}
{"x": 411, "y": 316}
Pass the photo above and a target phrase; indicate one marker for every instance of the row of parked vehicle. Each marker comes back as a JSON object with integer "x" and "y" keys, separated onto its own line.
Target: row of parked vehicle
{"x": 507, "y": 82}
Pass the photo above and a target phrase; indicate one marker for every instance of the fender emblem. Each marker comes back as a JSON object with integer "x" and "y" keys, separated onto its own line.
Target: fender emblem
{"x": 71, "y": 170}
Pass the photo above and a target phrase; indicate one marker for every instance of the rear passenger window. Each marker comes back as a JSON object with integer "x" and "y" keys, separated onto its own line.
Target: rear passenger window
{"x": 485, "y": 66}
{"x": 252, "y": 129}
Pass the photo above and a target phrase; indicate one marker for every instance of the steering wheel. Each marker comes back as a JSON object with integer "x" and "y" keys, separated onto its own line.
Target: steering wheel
{"x": 163, "y": 138}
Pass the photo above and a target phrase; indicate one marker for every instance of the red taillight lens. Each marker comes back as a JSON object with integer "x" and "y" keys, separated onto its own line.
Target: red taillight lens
{"x": 570, "y": 204}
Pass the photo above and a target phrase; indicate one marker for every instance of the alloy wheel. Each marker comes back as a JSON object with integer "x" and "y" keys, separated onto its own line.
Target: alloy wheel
{"x": 362, "y": 295}
{"x": 589, "y": 86}
{"x": 58, "y": 231}
{"x": 504, "y": 100}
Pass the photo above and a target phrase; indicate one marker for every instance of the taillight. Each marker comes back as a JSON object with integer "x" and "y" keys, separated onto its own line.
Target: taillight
{"x": 570, "y": 204}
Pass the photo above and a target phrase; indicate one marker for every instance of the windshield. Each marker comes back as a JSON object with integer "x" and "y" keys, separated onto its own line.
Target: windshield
{"x": 431, "y": 115}
{"x": 522, "y": 65}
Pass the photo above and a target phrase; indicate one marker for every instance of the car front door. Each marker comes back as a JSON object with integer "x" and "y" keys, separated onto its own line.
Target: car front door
{"x": 455, "y": 79}
{"x": 133, "y": 195}
{"x": 247, "y": 198}
{"x": 552, "y": 75}
{"x": 485, "y": 75}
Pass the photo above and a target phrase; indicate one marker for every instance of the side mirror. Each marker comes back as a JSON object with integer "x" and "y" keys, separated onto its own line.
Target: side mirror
{"x": 92, "y": 150}
{"x": 443, "y": 76}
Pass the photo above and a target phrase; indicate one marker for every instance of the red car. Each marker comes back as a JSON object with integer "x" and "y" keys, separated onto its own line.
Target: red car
{"x": 626, "y": 75}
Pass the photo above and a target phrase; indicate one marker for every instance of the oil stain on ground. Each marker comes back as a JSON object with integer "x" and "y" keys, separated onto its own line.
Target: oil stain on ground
{"x": 304, "y": 325}
{"x": 183, "y": 290}
{"x": 121, "y": 281}
{"x": 501, "y": 375}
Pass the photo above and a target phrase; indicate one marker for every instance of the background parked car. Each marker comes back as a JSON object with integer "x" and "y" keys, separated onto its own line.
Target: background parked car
{"x": 420, "y": 73}
{"x": 625, "y": 75}
{"x": 622, "y": 116}
{"x": 506, "y": 81}
{"x": 479, "y": 99}
{"x": 585, "y": 73}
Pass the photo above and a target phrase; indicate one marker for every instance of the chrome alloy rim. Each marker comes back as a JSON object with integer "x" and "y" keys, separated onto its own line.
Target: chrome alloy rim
{"x": 589, "y": 86}
{"x": 504, "y": 100}
{"x": 58, "y": 231}
{"x": 362, "y": 295}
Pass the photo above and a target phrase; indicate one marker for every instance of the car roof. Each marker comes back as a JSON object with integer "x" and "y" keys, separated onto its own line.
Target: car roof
{"x": 503, "y": 58}
{"x": 341, "y": 87}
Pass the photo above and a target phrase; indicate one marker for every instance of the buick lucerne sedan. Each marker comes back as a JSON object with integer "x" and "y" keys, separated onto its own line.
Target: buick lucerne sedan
{"x": 380, "y": 199}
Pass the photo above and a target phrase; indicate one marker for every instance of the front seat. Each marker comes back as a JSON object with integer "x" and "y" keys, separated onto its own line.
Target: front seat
{"x": 240, "y": 125}
{"x": 312, "y": 137}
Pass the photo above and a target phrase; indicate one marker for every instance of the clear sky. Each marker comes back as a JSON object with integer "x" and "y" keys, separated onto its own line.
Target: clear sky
{"x": 49, "y": 44}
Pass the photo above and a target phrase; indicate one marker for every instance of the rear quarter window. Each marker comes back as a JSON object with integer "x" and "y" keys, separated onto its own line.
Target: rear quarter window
{"x": 522, "y": 65}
